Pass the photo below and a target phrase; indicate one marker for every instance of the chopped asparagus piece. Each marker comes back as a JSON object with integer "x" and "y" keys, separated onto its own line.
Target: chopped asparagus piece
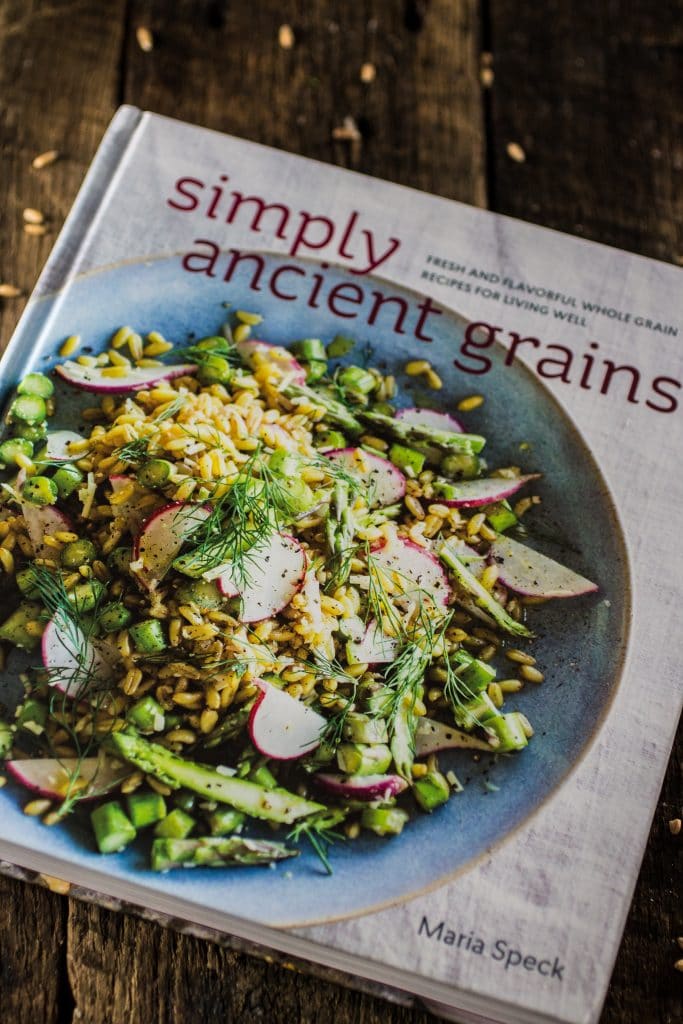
{"x": 384, "y": 821}
{"x": 215, "y": 852}
{"x": 113, "y": 830}
{"x": 423, "y": 438}
{"x": 431, "y": 791}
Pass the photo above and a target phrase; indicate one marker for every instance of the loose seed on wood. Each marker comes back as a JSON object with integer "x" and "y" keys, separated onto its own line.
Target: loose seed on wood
{"x": 45, "y": 159}
{"x": 33, "y": 216}
{"x": 144, "y": 38}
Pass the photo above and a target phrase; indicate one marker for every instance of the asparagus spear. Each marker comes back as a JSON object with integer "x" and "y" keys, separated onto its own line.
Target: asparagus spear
{"x": 405, "y": 678}
{"x": 335, "y": 411}
{"x": 249, "y": 797}
{"x": 423, "y": 438}
{"x": 215, "y": 852}
{"x": 482, "y": 597}
{"x": 340, "y": 531}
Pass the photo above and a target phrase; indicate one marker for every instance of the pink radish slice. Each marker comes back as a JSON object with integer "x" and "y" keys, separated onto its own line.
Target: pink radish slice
{"x": 255, "y": 352}
{"x": 42, "y": 520}
{"x": 530, "y": 573}
{"x": 432, "y": 736}
{"x": 474, "y": 493}
{"x": 282, "y": 727}
{"x": 53, "y": 779}
{"x": 385, "y": 483}
{"x": 274, "y": 573}
{"x": 374, "y": 647}
{"x": 92, "y": 378}
{"x": 72, "y": 659}
{"x": 365, "y": 787}
{"x": 413, "y": 570}
{"x": 431, "y": 418}
{"x": 162, "y": 537}
{"x": 57, "y": 446}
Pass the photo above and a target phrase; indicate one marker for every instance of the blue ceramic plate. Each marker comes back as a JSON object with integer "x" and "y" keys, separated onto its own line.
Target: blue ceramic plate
{"x": 580, "y": 645}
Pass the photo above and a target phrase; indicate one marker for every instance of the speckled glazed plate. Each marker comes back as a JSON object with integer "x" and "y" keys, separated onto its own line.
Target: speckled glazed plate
{"x": 581, "y": 642}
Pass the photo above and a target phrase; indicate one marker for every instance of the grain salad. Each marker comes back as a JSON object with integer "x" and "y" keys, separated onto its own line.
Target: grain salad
{"x": 252, "y": 591}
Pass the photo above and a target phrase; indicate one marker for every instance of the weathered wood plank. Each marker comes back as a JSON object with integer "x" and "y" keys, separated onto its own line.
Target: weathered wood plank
{"x": 59, "y": 88}
{"x": 32, "y": 941}
{"x": 592, "y": 93}
{"x": 421, "y": 120}
{"x": 126, "y": 971}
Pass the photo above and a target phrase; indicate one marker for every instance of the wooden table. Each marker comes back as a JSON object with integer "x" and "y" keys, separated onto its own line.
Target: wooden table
{"x": 589, "y": 94}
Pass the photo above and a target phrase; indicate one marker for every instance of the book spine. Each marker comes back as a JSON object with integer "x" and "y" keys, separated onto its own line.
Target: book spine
{"x": 63, "y": 260}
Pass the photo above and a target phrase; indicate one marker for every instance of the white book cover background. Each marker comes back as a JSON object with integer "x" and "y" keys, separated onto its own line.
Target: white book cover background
{"x": 530, "y": 930}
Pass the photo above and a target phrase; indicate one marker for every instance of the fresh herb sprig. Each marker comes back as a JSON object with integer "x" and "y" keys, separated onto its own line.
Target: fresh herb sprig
{"x": 320, "y": 831}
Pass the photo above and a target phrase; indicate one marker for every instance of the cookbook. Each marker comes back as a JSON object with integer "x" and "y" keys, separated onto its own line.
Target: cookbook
{"x": 338, "y": 527}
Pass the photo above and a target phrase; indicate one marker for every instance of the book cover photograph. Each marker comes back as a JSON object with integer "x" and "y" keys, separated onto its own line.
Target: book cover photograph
{"x": 338, "y": 537}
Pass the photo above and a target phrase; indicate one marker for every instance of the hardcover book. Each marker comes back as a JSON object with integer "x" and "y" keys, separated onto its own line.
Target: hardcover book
{"x": 338, "y": 523}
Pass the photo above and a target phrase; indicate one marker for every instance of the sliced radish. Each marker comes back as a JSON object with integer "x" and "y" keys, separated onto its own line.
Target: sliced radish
{"x": 273, "y": 573}
{"x": 88, "y": 776}
{"x": 57, "y": 445}
{"x": 258, "y": 353}
{"x": 432, "y": 736}
{"x": 162, "y": 537}
{"x": 412, "y": 571}
{"x": 530, "y": 573}
{"x": 94, "y": 378}
{"x": 486, "y": 491}
{"x": 385, "y": 483}
{"x": 282, "y": 727}
{"x": 374, "y": 647}
{"x": 74, "y": 660}
{"x": 431, "y": 418}
{"x": 363, "y": 787}
{"x": 42, "y": 520}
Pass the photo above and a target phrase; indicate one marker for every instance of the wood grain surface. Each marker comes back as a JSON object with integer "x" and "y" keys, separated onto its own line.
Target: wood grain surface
{"x": 588, "y": 94}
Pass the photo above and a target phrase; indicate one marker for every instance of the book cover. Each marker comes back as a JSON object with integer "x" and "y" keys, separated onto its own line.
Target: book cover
{"x": 353, "y": 584}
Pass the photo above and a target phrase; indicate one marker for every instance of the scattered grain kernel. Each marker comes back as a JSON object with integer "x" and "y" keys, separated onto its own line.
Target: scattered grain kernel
{"x": 33, "y": 216}
{"x": 414, "y": 506}
{"x": 285, "y": 37}
{"x": 496, "y": 694}
{"x": 675, "y": 826}
{"x": 45, "y": 159}
{"x": 35, "y": 229}
{"x": 486, "y": 77}
{"x": 521, "y": 657}
{"x": 353, "y": 830}
{"x": 416, "y": 367}
{"x": 511, "y": 685}
{"x": 70, "y": 345}
{"x": 515, "y": 152}
{"x": 433, "y": 380}
{"x": 252, "y": 319}
{"x": 57, "y": 885}
{"x": 679, "y": 965}
{"x": 36, "y": 808}
{"x": 144, "y": 38}
{"x": 418, "y": 771}
{"x": 470, "y": 403}
{"x": 531, "y": 674}
{"x": 9, "y": 291}
{"x": 368, "y": 72}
